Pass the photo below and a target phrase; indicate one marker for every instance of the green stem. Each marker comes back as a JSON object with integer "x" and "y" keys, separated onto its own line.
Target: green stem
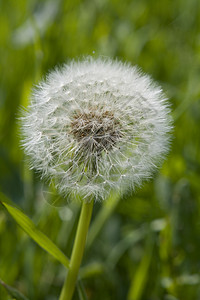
{"x": 77, "y": 252}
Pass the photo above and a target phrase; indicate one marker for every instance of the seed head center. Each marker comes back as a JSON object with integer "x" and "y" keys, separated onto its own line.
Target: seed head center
{"x": 96, "y": 131}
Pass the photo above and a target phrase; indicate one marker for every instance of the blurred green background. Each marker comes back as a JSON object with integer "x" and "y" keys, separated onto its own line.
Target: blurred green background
{"x": 147, "y": 245}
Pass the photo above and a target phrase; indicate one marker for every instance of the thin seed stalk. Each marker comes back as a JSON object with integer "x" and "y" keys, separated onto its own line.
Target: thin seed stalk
{"x": 77, "y": 251}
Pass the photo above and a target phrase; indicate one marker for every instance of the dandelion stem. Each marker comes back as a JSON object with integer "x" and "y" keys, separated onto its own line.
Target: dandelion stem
{"x": 77, "y": 251}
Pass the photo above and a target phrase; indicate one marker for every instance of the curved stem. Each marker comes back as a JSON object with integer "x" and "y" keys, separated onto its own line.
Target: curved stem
{"x": 77, "y": 251}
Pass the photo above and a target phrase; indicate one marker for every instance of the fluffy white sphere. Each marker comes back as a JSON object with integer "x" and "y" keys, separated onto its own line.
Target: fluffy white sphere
{"x": 96, "y": 125}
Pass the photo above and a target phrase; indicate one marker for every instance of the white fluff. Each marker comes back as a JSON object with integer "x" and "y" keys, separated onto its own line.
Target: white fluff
{"x": 96, "y": 125}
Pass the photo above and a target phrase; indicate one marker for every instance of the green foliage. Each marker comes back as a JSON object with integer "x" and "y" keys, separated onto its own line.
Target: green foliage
{"x": 42, "y": 240}
{"x": 13, "y": 292}
{"x": 146, "y": 245}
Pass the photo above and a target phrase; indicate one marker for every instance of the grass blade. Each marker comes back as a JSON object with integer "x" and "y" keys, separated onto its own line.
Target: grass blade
{"x": 13, "y": 292}
{"x": 40, "y": 238}
{"x": 81, "y": 291}
{"x": 140, "y": 278}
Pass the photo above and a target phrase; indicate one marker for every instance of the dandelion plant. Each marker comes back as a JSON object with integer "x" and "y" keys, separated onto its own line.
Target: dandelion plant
{"x": 94, "y": 126}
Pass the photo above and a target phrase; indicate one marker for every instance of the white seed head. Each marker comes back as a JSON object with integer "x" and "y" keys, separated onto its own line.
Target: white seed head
{"x": 96, "y": 125}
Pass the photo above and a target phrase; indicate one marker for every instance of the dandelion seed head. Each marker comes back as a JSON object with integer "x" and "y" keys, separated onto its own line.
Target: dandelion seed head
{"x": 96, "y": 125}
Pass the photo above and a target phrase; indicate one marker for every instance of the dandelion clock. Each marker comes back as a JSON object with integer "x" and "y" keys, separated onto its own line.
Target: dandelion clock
{"x": 94, "y": 126}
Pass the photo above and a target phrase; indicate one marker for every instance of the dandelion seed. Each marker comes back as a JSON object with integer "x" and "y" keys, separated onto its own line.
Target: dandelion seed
{"x": 96, "y": 125}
